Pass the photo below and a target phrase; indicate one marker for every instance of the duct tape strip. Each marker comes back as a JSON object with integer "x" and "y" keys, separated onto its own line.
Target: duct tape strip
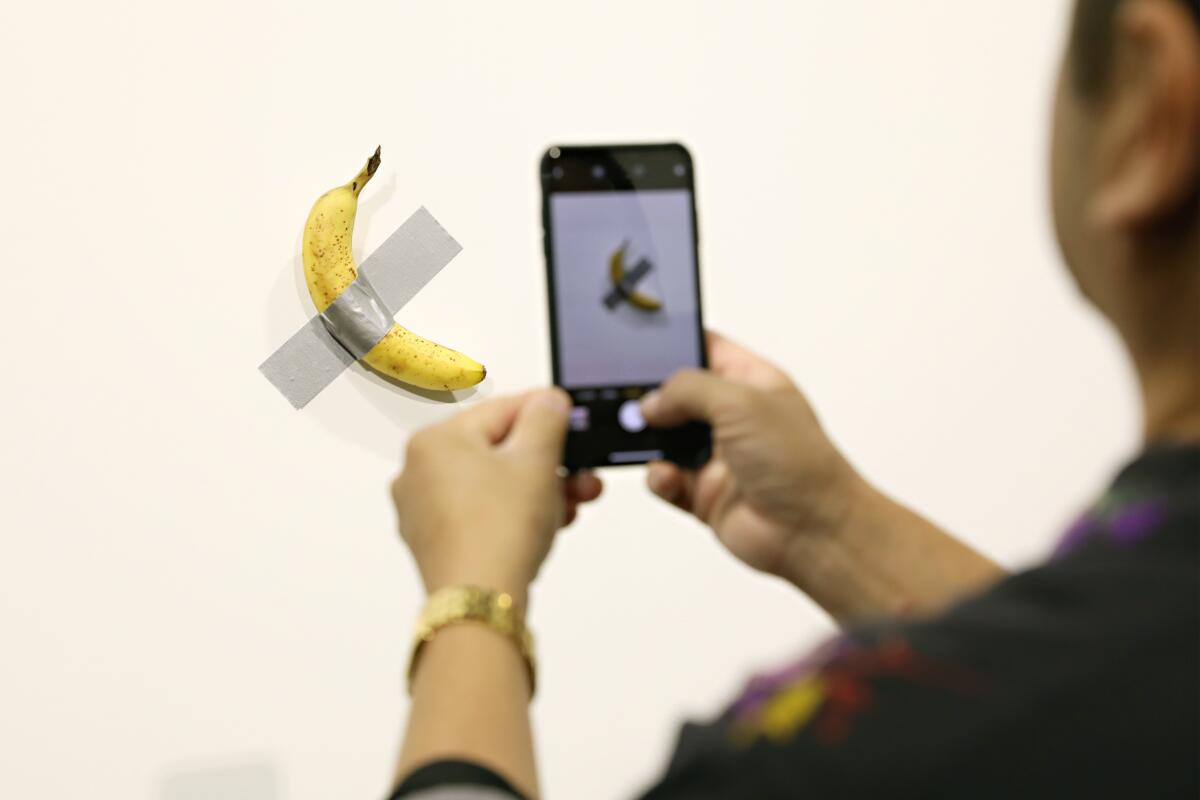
{"x": 391, "y": 276}
{"x": 357, "y": 318}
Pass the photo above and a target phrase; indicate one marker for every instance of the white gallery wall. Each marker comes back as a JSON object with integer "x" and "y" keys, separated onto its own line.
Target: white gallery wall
{"x": 198, "y": 583}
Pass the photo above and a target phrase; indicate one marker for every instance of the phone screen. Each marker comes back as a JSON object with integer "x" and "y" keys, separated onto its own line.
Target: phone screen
{"x": 621, "y": 253}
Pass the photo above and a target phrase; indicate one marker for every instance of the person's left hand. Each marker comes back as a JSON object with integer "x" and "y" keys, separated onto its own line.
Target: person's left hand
{"x": 480, "y": 497}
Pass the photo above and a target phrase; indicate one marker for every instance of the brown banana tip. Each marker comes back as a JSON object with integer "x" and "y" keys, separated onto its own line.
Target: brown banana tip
{"x": 484, "y": 372}
{"x": 373, "y": 163}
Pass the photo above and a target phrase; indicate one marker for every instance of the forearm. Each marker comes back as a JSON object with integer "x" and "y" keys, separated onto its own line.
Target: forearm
{"x": 470, "y": 701}
{"x": 885, "y": 560}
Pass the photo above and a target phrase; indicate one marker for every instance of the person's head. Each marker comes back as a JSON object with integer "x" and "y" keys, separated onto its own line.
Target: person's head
{"x": 1126, "y": 171}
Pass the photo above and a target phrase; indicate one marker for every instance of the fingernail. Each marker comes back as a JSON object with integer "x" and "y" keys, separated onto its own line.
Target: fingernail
{"x": 554, "y": 400}
{"x": 655, "y": 481}
{"x": 650, "y": 403}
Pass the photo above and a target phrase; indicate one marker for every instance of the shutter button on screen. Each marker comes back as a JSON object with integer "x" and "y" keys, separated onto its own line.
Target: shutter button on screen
{"x": 630, "y": 416}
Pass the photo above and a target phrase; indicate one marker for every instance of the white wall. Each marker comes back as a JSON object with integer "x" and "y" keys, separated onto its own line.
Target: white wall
{"x": 193, "y": 575}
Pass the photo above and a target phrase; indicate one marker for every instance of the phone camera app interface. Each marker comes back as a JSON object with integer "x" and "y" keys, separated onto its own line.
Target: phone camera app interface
{"x": 625, "y": 286}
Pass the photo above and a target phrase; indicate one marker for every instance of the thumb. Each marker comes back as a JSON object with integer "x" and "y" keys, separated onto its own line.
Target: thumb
{"x": 691, "y": 395}
{"x": 541, "y": 424}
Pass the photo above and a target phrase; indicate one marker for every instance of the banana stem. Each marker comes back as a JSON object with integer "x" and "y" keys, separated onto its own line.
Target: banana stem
{"x": 364, "y": 175}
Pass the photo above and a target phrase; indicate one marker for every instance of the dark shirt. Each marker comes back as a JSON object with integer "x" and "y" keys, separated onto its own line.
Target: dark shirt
{"x": 1078, "y": 678}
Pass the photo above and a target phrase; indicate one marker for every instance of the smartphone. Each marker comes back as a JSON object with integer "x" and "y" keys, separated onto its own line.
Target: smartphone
{"x": 623, "y": 273}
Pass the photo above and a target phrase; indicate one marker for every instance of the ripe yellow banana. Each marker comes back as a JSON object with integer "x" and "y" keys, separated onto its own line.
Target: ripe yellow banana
{"x": 329, "y": 268}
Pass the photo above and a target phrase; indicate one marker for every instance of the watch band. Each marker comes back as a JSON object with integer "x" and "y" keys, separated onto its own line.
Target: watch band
{"x": 457, "y": 604}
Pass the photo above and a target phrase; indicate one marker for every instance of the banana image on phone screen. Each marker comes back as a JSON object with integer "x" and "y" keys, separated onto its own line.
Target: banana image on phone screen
{"x": 629, "y": 283}
{"x": 626, "y": 286}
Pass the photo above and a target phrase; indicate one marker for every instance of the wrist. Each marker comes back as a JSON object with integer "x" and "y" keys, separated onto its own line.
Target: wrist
{"x": 821, "y": 550}
{"x": 510, "y": 582}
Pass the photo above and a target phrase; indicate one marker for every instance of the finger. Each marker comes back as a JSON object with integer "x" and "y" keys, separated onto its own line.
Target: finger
{"x": 709, "y": 493}
{"x": 733, "y": 361}
{"x": 491, "y": 419}
{"x": 541, "y": 424}
{"x": 664, "y": 480}
{"x": 724, "y": 354}
{"x": 717, "y": 343}
{"x": 690, "y": 395}
{"x": 671, "y": 483}
{"x": 578, "y": 489}
{"x": 584, "y": 487}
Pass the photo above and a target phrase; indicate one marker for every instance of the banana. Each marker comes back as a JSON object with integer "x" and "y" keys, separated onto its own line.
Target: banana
{"x": 329, "y": 267}
{"x": 616, "y": 271}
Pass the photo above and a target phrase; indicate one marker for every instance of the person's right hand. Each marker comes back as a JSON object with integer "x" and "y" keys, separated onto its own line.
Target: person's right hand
{"x": 774, "y": 479}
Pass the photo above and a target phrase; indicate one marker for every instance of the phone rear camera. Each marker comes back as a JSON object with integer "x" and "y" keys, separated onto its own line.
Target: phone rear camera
{"x": 557, "y": 173}
{"x": 555, "y": 152}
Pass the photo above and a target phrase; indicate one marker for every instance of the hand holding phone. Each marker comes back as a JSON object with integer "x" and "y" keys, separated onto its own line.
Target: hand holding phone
{"x": 624, "y": 287}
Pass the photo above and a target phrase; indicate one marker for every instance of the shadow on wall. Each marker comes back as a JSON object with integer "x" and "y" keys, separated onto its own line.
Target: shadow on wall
{"x": 248, "y": 780}
{"x": 389, "y": 404}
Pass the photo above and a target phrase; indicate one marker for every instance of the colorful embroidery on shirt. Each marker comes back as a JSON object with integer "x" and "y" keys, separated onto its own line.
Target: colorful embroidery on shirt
{"x": 1120, "y": 517}
{"x": 830, "y": 689}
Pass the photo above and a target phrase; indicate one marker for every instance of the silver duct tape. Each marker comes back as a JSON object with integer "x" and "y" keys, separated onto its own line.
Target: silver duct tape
{"x": 307, "y": 363}
{"x": 392, "y": 275}
{"x": 357, "y": 318}
{"x": 409, "y": 259}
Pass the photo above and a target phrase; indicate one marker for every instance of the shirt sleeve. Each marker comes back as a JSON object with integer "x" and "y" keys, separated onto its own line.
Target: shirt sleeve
{"x": 454, "y": 780}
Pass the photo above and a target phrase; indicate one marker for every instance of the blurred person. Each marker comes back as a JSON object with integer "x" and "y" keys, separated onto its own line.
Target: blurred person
{"x": 1074, "y": 678}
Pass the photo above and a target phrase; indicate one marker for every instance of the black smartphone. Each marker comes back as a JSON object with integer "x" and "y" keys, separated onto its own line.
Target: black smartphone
{"x": 623, "y": 272}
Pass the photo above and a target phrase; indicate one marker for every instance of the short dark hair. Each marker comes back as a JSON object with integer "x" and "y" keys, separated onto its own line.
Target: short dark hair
{"x": 1091, "y": 41}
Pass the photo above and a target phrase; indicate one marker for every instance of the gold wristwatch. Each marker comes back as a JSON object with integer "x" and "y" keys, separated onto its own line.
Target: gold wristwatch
{"x": 455, "y": 604}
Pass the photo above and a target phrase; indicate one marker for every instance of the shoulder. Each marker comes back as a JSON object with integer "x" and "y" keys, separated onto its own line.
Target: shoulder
{"x": 1153, "y": 505}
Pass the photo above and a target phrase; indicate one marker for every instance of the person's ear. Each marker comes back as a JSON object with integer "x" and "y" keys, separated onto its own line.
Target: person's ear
{"x": 1149, "y": 146}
